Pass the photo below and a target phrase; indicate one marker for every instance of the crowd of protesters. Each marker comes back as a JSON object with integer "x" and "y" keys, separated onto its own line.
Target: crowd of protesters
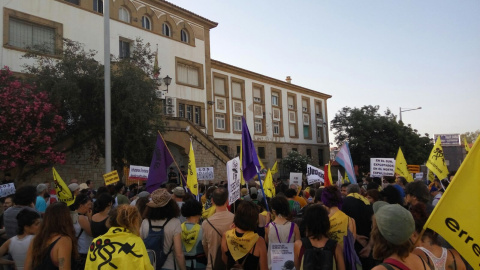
{"x": 376, "y": 224}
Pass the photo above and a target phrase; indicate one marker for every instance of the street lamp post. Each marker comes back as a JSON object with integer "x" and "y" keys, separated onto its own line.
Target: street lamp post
{"x": 406, "y": 110}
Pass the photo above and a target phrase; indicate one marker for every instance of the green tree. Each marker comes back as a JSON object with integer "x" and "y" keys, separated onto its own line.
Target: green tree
{"x": 371, "y": 135}
{"x": 471, "y": 136}
{"x": 295, "y": 162}
{"x": 75, "y": 83}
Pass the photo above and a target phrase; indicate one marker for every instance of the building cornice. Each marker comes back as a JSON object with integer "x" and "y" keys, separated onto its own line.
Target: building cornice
{"x": 265, "y": 79}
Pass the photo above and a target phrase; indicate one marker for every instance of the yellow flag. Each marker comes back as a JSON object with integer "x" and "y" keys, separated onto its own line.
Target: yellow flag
{"x": 401, "y": 166}
{"x": 436, "y": 161}
{"x": 268, "y": 186}
{"x": 467, "y": 148}
{"x": 346, "y": 178}
{"x": 330, "y": 173}
{"x": 63, "y": 192}
{"x": 261, "y": 163}
{"x": 431, "y": 176}
{"x": 192, "y": 182}
{"x": 274, "y": 168}
{"x": 456, "y": 216}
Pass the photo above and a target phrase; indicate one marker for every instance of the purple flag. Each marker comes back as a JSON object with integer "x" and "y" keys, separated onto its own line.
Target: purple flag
{"x": 250, "y": 163}
{"x": 161, "y": 159}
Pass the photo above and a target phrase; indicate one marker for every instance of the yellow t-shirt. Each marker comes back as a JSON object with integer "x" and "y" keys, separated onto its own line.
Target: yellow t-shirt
{"x": 338, "y": 227}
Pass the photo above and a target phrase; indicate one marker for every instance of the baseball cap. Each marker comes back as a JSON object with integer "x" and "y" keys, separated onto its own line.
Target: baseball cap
{"x": 41, "y": 188}
{"x": 179, "y": 192}
{"x": 394, "y": 222}
{"x": 73, "y": 187}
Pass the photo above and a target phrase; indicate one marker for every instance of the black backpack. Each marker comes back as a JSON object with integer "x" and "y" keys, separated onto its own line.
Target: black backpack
{"x": 218, "y": 264}
{"x": 154, "y": 241}
{"x": 318, "y": 258}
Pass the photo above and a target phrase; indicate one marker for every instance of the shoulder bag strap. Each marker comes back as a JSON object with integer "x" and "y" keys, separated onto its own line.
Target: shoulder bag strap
{"x": 292, "y": 227}
{"x": 388, "y": 266}
{"x": 213, "y": 227}
{"x": 81, "y": 231}
{"x": 396, "y": 263}
{"x": 454, "y": 261}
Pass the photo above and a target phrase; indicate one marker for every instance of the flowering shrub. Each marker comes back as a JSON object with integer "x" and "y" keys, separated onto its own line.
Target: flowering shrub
{"x": 295, "y": 162}
{"x": 29, "y": 125}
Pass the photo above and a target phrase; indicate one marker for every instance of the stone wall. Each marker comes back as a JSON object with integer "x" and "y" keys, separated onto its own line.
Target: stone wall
{"x": 77, "y": 166}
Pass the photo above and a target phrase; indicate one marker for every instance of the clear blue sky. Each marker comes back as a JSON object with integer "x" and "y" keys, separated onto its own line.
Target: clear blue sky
{"x": 389, "y": 53}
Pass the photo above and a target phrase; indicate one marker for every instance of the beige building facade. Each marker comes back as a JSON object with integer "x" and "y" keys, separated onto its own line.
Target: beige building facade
{"x": 206, "y": 99}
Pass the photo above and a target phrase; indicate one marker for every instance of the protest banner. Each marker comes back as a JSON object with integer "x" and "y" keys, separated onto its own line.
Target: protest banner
{"x": 382, "y": 167}
{"x": 205, "y": 173}
{"x": 233, "y": 178}
{"x": 138, "y": 172}
{"x": 281, "y": 255}
{"x": 7, "y": 189}
{"x": 419, "y": 176}
{"x": 296, "y": 178}
{"x": 314, "y": 175}
{"x": 111, "y": 178}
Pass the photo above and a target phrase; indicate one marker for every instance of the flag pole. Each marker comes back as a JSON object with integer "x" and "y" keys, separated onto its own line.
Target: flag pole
{"x": 263, "y": 191}
{"x": 176, "y": 165}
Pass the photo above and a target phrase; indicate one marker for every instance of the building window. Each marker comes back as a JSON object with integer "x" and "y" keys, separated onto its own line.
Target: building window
{"x": 294, "y": 149}
{"x": 261, "y": 152}
{"x": 187, "y": 74}
{"x": 258, "y": 126}
{"x": 238, "y": 150}
{"x": 319, "y": 134}
{"x": 224, "y": 148}
{"x": 274, "y": 99}
{"x": 146, "y": 23}
{"x": 181, "y": 110}
{"x": 76, "y": 2}
{"x": 123, "y": 15}
{"x": 291, "y": 102}
{"x": 304, "y": 105}
{"x": 237, "y": 123}
{"x": 318, "y": 110}
{"x": 26, "y": 35}
{"x": 320, "y": 157}
{"x": 166, "y": 30}
{"x": 237, "y": 90}
{"x": 98, "y": 6}
{"x": 124, "y": 49}
{"x": 220, "y": 120}
{"x": 306, "y": 132}
{"x": 276, "y": 128}
{"x": 279, "y": 152}
{"x": 219, "y": 86}
{"x": 189, "y": 112}
{"x": 309, "y": 153}
{"x": 184, "y": 36}
{"x": 257, "y": 95}
{"x": 292, "y": 129}
{"x": 198, "y": 116}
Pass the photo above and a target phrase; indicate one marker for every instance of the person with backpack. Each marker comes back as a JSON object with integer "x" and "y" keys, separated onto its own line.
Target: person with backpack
{"x": 243, "y": 248}
{"x": 214, "y": 227}
{"x": 316, "y": 251}
{"x": 161, "y": 230}
{"x": 192, "y": 235}
{"x": 281, "y": 230}
{"x": 121, "y": 247}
